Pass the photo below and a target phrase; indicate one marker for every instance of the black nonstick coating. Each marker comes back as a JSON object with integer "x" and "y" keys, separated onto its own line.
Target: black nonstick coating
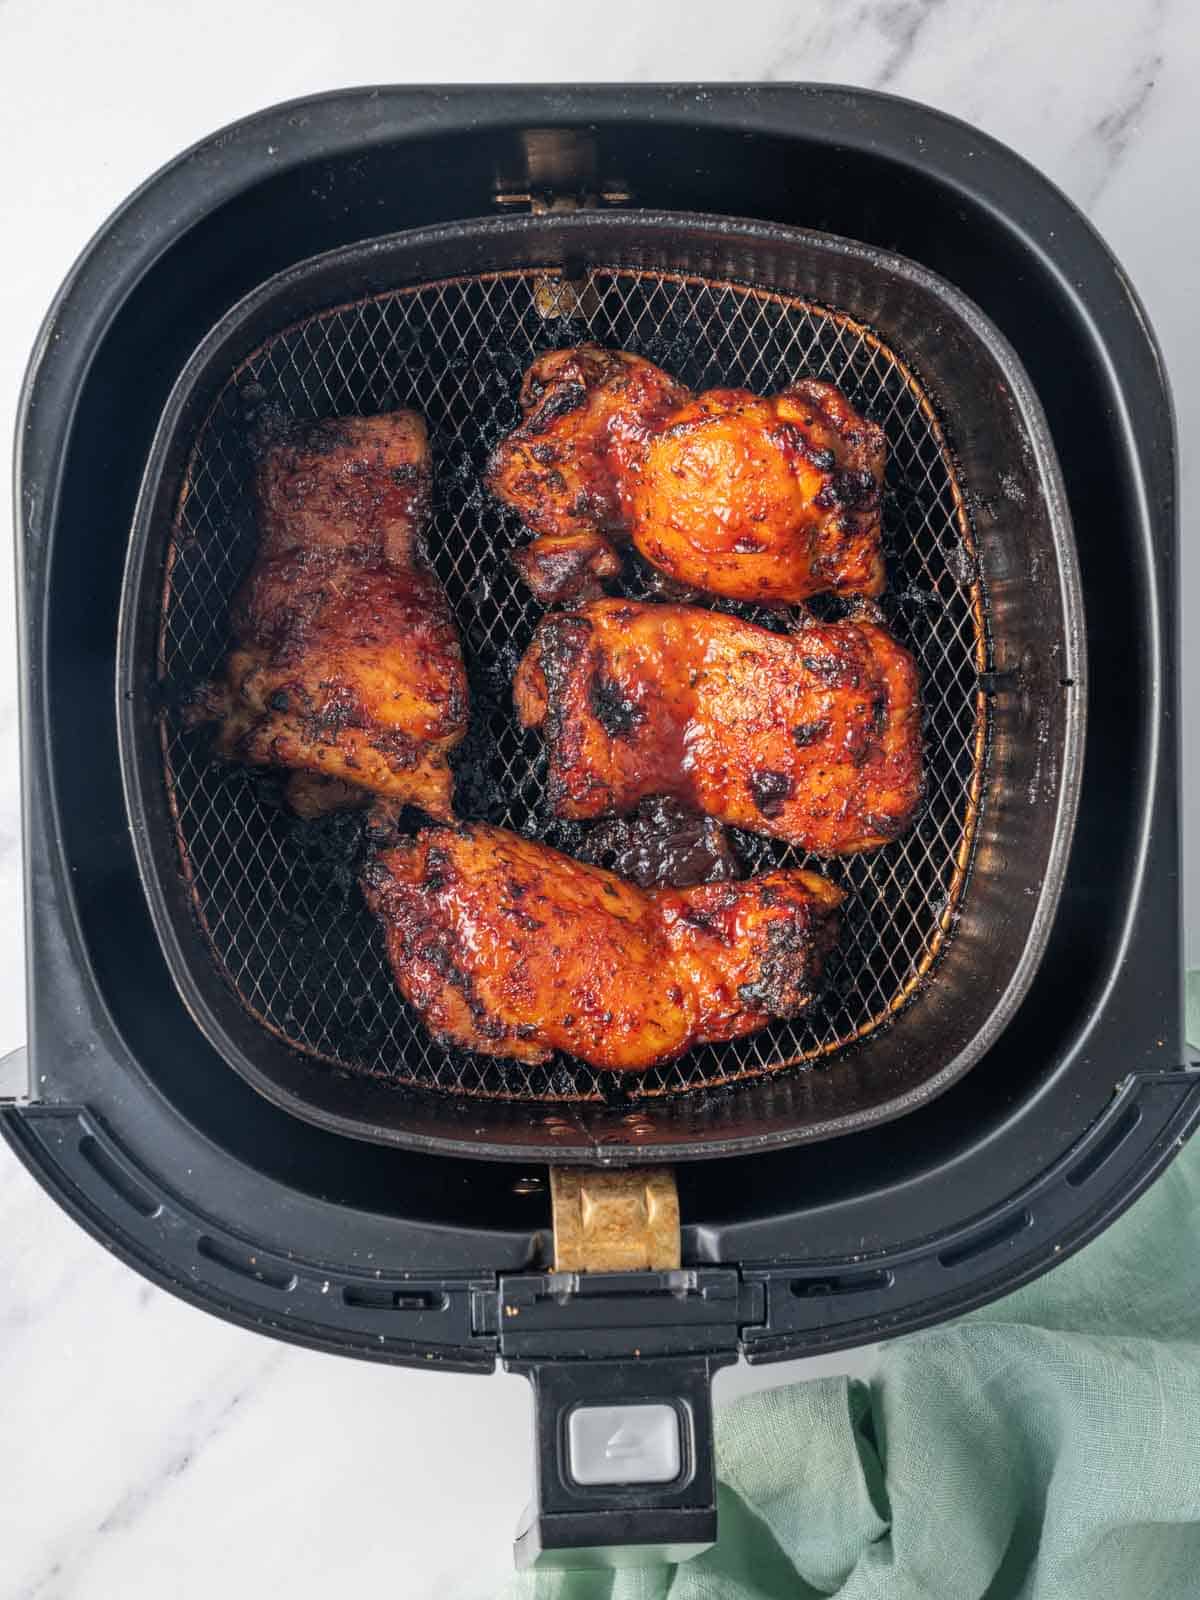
{"x": 931, "y": 972}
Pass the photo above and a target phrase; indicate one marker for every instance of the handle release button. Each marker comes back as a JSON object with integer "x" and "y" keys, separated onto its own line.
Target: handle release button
{"x": 624, "y": 1444}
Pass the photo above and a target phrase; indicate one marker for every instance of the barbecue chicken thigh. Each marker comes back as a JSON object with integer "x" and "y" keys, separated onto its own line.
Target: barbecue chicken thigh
{"x": 504, "y": 946}
{"x": 767, "y": 500}
{"x": 770, "y": 500}
{"x": 813, "y": 737}
{"x": 346, "y": 666}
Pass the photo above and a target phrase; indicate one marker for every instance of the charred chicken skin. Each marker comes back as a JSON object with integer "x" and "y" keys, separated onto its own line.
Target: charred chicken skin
{"x": 813, "y": 737}
{"x": 346, "y": 663}
{"x": 586, "y": 414}
{"x": 769, "y": 500}
{"x": 504, "y": 946}
{"x": 566, "y": 567}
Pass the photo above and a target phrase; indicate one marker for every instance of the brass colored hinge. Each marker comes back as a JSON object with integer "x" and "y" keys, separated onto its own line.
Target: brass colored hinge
{"x": 615, "y": 1221}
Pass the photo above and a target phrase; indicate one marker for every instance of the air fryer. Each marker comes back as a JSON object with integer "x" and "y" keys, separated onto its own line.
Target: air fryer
{"x": 958, "y": 1114}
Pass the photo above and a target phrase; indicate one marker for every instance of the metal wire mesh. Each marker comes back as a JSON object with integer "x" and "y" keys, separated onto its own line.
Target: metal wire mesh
{"x": 276, "y": 899}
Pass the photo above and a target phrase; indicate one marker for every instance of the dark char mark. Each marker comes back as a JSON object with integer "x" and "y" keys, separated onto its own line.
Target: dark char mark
{"x": 806, "y": 733}
{"x": 562, "y": 399}
{"x": 854, "y": 490}
{"x": 770, "y": 791}
{"x": 613, "y": 708}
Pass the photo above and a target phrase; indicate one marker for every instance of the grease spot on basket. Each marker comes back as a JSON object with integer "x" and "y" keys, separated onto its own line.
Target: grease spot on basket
{"x": 962, "y": 563}
{"x": 1012, "y": 488}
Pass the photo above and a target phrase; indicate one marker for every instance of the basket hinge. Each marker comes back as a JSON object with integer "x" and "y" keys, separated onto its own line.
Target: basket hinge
{"x": 624, "y": 1220}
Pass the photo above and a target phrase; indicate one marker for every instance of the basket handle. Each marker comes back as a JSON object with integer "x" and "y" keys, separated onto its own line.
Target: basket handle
{"x": 623, "y": 1460}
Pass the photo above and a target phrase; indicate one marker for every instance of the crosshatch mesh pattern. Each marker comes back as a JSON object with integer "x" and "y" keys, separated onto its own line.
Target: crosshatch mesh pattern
{"x": 276, "y": 898}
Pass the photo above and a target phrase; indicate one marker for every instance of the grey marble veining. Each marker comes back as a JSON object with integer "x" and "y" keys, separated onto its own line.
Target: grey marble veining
{"x": 884, "y": 38}
{"x": 148, "y": 1450}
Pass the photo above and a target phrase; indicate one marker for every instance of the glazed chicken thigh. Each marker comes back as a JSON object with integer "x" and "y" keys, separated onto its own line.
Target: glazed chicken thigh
{"x": 766, "y": 500}
{"x": 504, "y": 946}
{"x": 813, "y": 737}
{"x": 346, "y": 667}
{"x": 769, "y": 500}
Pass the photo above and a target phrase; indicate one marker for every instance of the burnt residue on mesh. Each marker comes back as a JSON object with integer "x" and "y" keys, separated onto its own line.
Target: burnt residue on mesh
{"x": 663, "y": 843}
{"x": 333, "y": 848}
{"x": 639, "y": 580}
{"x": 479, "y": 794}
{"x": 266, "y": 421}
{"x": 560, "y": 833}
{"x": 384, "y": 823}
{"x": 916, "y": 612}
{"x": 683, "y": 349}
{"x": 751, "y": 847}
{"x": 563, "y": 333}
{"x": 267, "y": 785}
{"x": 460, "y": 463}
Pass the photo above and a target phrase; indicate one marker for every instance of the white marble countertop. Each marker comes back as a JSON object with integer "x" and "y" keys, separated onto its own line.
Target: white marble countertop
{"x": 148, "y": 1450}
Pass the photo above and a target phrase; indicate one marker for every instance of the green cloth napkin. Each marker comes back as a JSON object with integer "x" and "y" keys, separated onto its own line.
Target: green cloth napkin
{"x": 1047, "y": 1447}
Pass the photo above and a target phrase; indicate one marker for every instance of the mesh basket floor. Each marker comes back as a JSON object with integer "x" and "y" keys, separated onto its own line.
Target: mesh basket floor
{"x": 276, "y": 898}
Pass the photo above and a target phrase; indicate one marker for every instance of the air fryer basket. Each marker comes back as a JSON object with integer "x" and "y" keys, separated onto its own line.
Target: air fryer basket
{"x": 269, "y": 942}
{"x": 275, "y": 898}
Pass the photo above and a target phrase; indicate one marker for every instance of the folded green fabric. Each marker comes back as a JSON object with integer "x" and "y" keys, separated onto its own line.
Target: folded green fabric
{"x": 1045, "y": 1448}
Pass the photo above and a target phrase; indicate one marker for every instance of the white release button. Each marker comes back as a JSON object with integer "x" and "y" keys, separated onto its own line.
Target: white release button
{"x": 623, "y": 1444}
